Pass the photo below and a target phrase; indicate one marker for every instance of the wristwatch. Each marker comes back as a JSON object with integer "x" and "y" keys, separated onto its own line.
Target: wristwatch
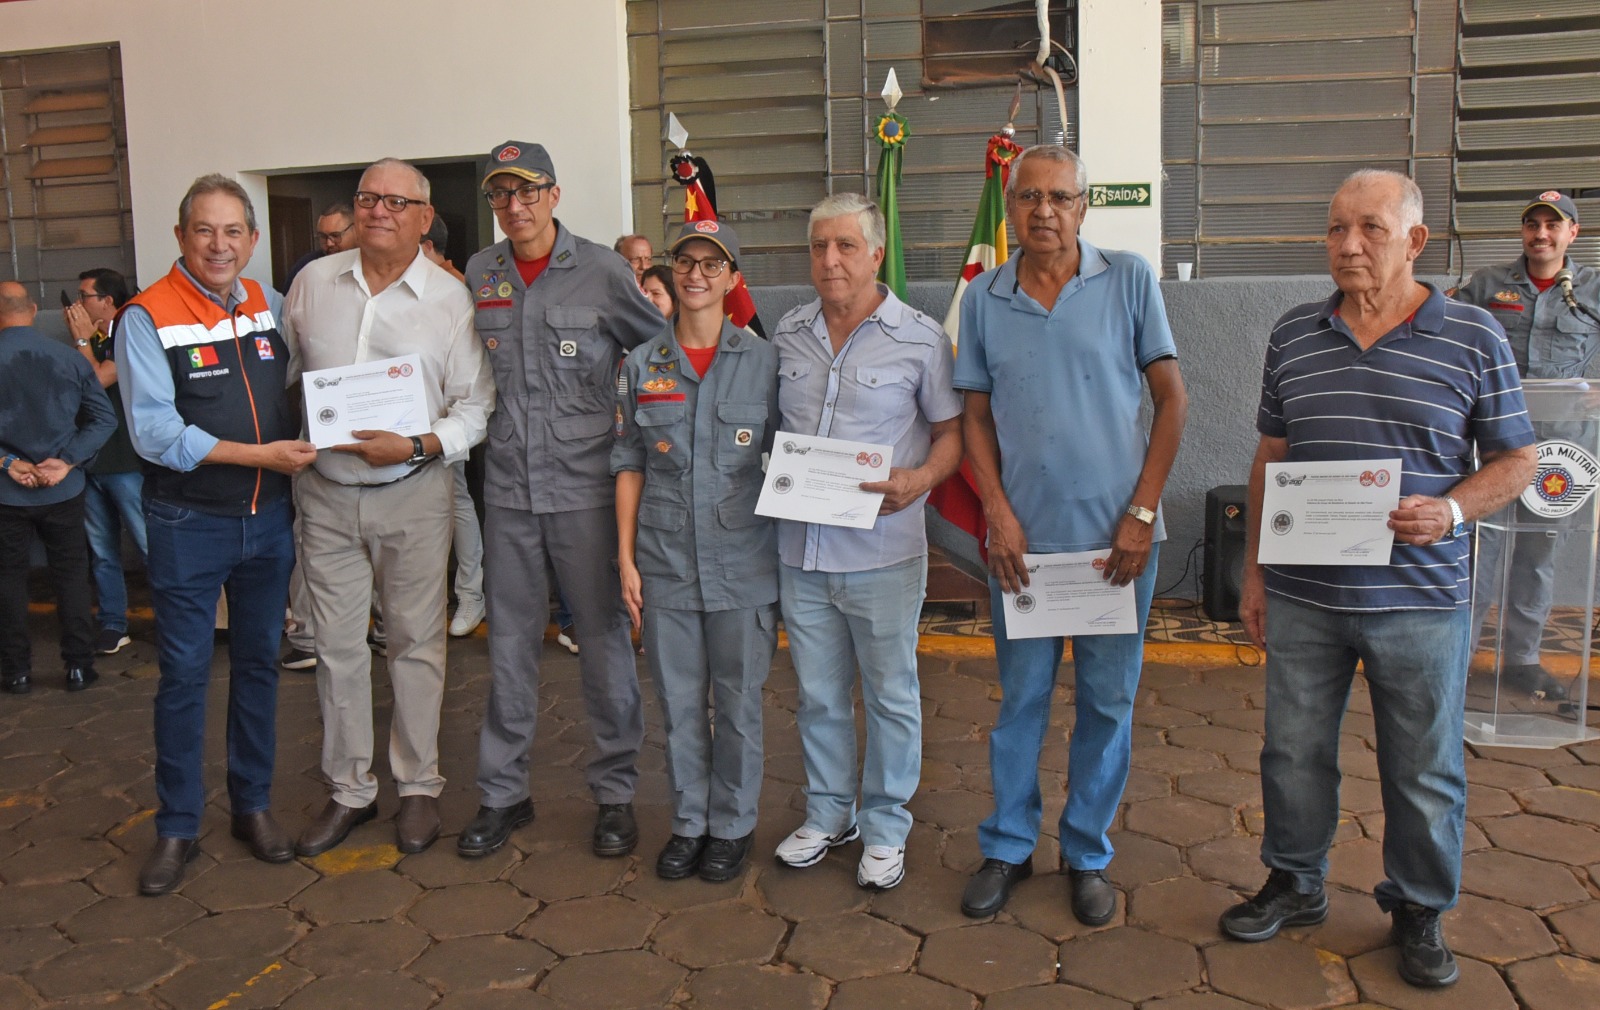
{"x": 1459, "y": 523}
{"x": 5, "y": 463}
{"x": 79, "y": 342}
{"x": 1144, "y": 515}
{"x": 419, "y": 455}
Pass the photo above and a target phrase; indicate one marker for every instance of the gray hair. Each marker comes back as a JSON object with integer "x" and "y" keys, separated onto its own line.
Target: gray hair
{"x": 215, "y": 183}
{"x": 616, "y": 246}
{"x": 868, "y": 216}
{"x": 1410, "y": 209}
{"x": 1050, "y": 152}
{"x": 423, "y": 186}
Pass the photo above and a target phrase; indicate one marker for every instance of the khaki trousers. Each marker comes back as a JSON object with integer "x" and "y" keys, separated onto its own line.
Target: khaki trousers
{"x": 394, "y": 539}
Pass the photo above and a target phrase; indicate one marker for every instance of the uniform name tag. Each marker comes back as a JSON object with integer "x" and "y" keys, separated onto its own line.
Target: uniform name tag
{"x": 662, "y": 397}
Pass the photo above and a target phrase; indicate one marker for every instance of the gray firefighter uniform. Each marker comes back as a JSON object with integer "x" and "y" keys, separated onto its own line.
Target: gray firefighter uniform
{"x": 1550, "y": 340}
{"x": 708, "y": 563}
{"x": 554, "y": 346}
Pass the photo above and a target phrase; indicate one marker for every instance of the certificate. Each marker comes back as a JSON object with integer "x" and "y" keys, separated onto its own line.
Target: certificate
{"x": 1067, "y": 594}
{"x": 811, "y": 479}
{"x": 1329, "y": 513}
{"x": 384, "y": 395}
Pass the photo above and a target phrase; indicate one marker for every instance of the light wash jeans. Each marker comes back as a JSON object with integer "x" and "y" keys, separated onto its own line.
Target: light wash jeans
{"x": 1106, "y": 675}
{"x": 1415, "y": 663}
{"x": 835, "y": 621}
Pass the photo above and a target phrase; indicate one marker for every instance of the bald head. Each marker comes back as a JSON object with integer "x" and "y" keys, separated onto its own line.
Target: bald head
{"x": 16, "y": 305}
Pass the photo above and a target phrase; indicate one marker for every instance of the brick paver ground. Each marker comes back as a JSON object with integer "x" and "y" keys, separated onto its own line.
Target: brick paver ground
{"x": 543, "y": 924}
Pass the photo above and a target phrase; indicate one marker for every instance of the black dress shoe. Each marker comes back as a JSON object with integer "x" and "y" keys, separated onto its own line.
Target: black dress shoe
{"x": 80, "y": 677}
{"x": 725, "y": 858}
{"x": 332, "y": 826}
{"x": 680, "y": 857}
{"x": 1094, "y": 900}
{"x": 615, "y": 833}
{"x": 491, "y": 827}
{"x": 261, "y": 834}
{"x": 17, "y": 683}
{"x": 989, "y": 888}
{"x": 163, "y": 871}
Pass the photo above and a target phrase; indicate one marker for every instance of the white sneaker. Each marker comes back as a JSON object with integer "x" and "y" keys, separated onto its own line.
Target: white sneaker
{"x": 882, "y": 867}
{"x": 469, "y": 614}
{"x": 807, "y": 845}
{"x": 566, "y": 642}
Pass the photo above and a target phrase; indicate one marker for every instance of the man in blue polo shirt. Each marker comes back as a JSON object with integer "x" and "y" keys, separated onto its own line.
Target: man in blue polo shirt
{"x": 1387, "y": 367}
{"x": 1057, "y": 346}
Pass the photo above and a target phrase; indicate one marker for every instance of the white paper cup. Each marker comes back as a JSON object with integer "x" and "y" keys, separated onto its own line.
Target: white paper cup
{"x": 1185, "y": 270}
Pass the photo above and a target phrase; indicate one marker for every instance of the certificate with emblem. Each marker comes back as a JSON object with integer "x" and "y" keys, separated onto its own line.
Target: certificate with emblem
{"x": 811, "y": 479}
{"x": 385, "y": 395}
{"x": 1329, "y": 512}
{"x": 1067, "y": 594}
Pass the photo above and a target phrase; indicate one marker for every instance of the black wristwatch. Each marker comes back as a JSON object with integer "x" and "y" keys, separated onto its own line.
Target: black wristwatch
{"x": 419, "y": 455}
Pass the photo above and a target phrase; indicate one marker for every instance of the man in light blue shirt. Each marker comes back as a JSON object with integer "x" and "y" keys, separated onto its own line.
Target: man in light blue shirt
{"x": 1057, "y": 346}
{"x": 859, "y": 364}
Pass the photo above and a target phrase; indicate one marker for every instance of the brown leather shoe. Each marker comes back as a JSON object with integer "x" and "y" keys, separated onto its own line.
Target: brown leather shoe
{"x": 332, "y": 826}
{"x": 417, "y": 823}
{"x": 163, "y": 871}
{"x": 261, "y": 834}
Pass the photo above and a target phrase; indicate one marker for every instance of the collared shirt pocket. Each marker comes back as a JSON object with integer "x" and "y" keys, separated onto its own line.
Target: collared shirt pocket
{"x": 741, "y": 430}
{"x": 660, "y": 552}
{"x": 577, "y": 344}
{"x": 665, "y": 432}
{"x": 794, "y": 387}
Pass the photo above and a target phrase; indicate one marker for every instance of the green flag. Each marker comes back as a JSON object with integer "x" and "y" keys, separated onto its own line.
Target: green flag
{"x": 890, "y": 134}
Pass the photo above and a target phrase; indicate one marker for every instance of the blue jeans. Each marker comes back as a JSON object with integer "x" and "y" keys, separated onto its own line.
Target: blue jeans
{"x": 194, "y": 556}
{"x": 1106, "y": 675}
{"x": 111, "y": 504}
{"x": 1415, "y": 664}
{"x": 836, "y": 621}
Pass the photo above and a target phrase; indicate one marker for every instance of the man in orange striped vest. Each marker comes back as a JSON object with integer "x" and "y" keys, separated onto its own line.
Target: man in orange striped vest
{"x": 203, "y": 384}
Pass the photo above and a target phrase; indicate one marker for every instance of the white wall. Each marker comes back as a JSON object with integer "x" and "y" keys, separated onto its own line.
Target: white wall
{"x": 252, "y": 87}
{"x": 1119, "y": 112}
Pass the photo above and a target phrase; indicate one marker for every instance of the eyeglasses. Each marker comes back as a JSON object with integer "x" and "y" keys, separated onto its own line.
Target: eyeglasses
{"x": 709, "y": 267}
{"x": 641, "y": 261}
{"x": 527, "y": 195}
{"x": 334, "y": 236}
{"x": 396, "y": 204}
{"x": 84, "y": 296}
{"x": 1060, "y": 199}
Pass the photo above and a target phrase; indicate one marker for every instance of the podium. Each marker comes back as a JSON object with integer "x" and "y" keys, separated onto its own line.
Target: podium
{"x": 1533, "y": 590}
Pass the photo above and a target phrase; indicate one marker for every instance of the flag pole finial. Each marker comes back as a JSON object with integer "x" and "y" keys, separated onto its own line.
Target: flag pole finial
{"x": 891, "y": 90}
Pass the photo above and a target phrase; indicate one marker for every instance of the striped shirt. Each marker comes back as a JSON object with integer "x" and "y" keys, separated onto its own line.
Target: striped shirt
{"x": 1425, "y": 392}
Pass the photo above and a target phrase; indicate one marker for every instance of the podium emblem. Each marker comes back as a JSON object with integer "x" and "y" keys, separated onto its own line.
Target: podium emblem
{"x": 1566, "y": 477}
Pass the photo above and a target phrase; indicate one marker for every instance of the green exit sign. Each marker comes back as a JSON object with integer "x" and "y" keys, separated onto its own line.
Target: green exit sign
{"x": 1119, "y": 194}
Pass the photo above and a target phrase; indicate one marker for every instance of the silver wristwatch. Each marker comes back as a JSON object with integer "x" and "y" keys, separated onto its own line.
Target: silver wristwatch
{"x": 1458, "y": 523}
{"x": 1144, "y": 515}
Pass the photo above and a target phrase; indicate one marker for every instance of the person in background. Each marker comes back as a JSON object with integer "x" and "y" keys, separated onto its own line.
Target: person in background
{"x": 657, "y": 286}
{"x": 433, "y": 244}
{"x": 54, "y": 416}
{"x": 636, "y": 250}
{"x": 111, "y": 502}
{"x": 336, "y": 232}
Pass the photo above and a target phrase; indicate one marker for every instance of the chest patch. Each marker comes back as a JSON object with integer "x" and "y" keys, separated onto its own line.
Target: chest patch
{"x": 264, "y": 349}
{"x": 663, "y": 446}
{"x": 660, "y": 384}
{"x": 568, "y": 348}
{"x": 203, "y": 356}
{"x": 742, "y": 436}
{"x": 1505, "y": 306}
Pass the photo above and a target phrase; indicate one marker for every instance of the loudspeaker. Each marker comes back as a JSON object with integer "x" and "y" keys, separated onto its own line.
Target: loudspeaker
{"x": 1223, "y": 572}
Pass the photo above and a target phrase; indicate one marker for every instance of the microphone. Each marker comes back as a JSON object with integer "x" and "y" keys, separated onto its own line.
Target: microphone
{"x": 1564, "y": 280}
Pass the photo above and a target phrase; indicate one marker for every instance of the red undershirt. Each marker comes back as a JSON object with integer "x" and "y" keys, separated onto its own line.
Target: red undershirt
{"x": 531, "y": 269}
{"x": 1544, "y": 284}
{"x": 700, "y": 357}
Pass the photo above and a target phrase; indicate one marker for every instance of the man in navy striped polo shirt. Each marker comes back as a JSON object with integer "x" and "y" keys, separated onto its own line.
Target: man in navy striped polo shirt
{"x": 1387, "y": 367}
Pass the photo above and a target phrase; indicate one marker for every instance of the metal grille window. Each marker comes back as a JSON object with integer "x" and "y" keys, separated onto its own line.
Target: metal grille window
{"x": 1529, "y": 121}
{"x": 1268, "y": 104}
{"x": 63, "y": 167}
{"x": 777, "y": 96}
